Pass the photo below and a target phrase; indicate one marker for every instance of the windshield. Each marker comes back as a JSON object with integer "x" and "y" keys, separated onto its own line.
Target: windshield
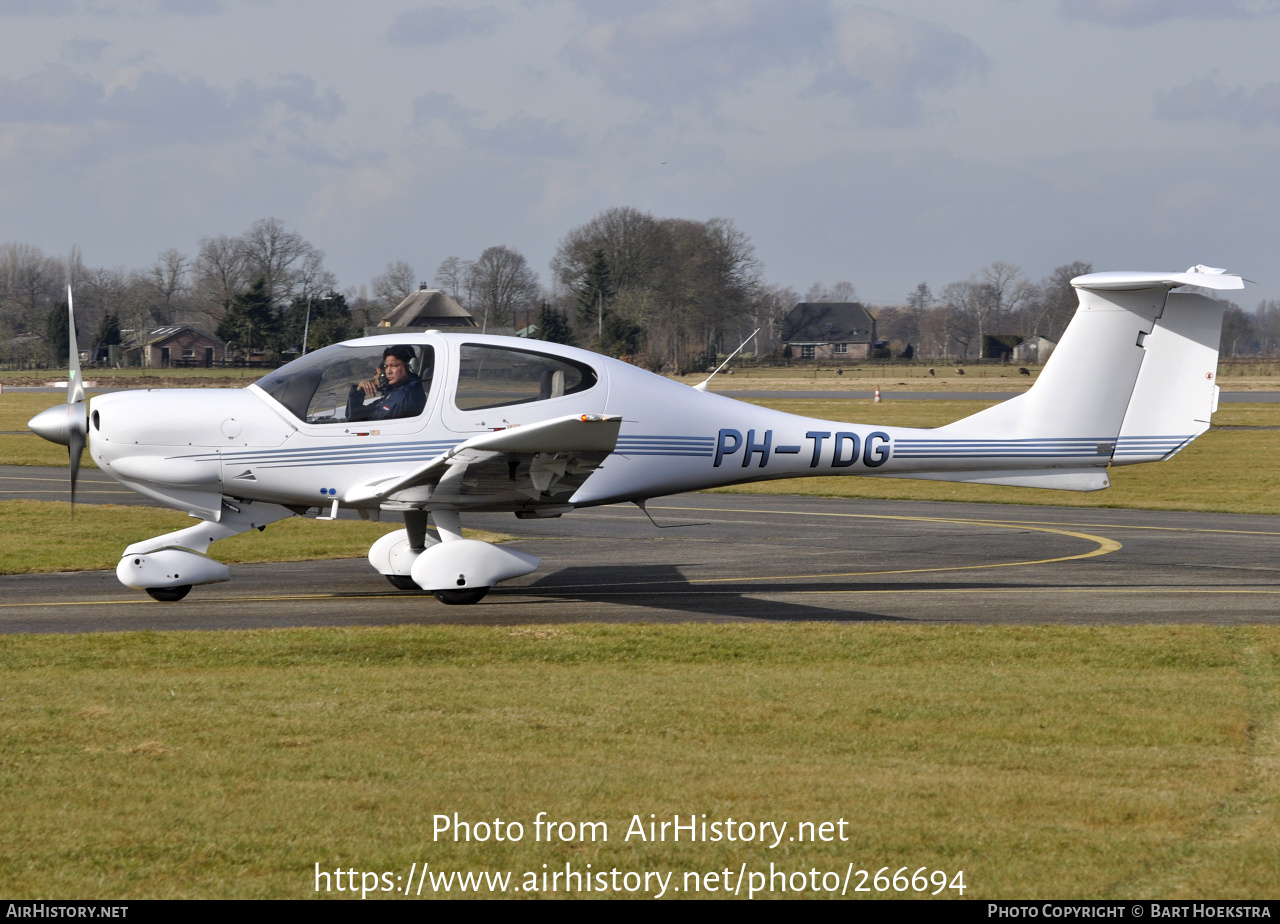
{"x": 344, "y": 383}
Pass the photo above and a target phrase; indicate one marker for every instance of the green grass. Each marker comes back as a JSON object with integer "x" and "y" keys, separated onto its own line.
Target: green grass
{"x": 1123, "y": 762}
{"x": 96, "y": 537}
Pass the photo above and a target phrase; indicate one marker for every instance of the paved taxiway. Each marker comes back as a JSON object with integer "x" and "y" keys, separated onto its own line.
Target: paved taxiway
{"x": 774, "y": 558}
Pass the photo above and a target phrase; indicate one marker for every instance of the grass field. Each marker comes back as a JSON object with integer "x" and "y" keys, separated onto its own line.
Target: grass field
{"x": 1124, "y": 762}
{"x": 1044, "y": 762}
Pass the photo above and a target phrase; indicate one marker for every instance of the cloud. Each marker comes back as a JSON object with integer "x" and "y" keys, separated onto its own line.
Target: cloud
{"x": 884, "y": 62}
{"x": 521, "y": 134}
{"x": 80, "y": 50}
{"x": 529, "y": 136}
{"x": 55, "y": 94}
{"x": 442, "y": 107}
{"x": 434, "y": 25}
{"x": 191, "y": 7}
{"x": 36, "y": 7}
{"x": 1134, "y": 13}
{"x": 1210, "y": 101}
{"x": 677, "y": 52}
{"x": 160, "y": 104}
{"x": 54, "y": 8}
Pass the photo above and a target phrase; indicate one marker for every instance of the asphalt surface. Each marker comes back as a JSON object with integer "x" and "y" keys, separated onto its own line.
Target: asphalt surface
{"x": 755, "y": 557}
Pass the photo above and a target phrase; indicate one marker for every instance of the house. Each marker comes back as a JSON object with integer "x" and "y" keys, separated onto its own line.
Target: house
{"x": 164, "y": 347}
{"x": 426, "y": 309}
{"x": 1035, "y": 350}
{"x": 829, "y": 331}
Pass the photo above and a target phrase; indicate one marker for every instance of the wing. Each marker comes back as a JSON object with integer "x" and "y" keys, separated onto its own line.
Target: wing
{"x": 530, "y": 466}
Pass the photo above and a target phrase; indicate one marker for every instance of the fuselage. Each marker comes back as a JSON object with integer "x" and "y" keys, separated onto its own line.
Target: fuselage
{"x": 286, "y": 439}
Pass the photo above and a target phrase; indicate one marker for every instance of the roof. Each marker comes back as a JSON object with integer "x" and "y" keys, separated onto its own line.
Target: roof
{"x": 428, "y": 308}
{"x": 157, "y": 335}
{"x": 828, "y": 322}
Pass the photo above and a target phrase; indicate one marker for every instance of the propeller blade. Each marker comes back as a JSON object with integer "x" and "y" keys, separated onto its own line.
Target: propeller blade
{"x": 75, "y": 447}
{"x": 75, "y": 381}
{"x": 78, "y": 424}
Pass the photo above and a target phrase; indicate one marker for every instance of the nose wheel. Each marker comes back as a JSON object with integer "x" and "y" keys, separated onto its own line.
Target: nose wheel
{"x": 169, "y": 594}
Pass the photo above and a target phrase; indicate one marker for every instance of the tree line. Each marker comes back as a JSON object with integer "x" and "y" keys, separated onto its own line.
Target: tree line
{"x": 666, "y": 293}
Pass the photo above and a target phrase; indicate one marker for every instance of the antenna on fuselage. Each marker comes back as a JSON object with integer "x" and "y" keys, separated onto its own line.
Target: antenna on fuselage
{"x": 645, "y": 511}
{"x": 702, "y": 386}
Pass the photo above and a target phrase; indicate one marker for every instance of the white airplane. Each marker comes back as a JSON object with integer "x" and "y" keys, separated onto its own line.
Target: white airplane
{"x": 465, "y": 422}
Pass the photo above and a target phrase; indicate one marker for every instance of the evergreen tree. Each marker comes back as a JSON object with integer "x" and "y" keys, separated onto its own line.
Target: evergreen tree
{"x": 250, "y": 323}
{"x": 108, "y": 331}
{"x": 595, "y": 290}
{"x": 553, "y": 326}
{"x": 620, "y": 336}
{"x": 331, "y": 322}
{"x": 57, "y": 335}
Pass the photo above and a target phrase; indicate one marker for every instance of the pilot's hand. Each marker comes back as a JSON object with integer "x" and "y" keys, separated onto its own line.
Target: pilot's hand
{"x": 369, "y": 387}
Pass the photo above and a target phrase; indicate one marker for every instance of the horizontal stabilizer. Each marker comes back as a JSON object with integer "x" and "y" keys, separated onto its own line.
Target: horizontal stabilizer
{"x": 1205, "y": 277}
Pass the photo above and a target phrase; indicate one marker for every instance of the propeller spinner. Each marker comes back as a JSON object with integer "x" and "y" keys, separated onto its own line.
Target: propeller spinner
{"x": 68, "y": 424}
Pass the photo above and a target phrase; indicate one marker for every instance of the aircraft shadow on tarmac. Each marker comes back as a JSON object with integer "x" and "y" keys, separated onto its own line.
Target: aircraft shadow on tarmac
{"x": 665, "y": 587}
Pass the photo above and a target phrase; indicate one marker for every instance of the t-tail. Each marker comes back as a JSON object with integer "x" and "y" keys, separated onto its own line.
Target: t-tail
{"x": 1132, "y": 380}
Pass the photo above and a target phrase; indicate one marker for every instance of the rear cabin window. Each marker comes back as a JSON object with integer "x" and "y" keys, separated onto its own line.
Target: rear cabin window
{"x": 497, "y": 376}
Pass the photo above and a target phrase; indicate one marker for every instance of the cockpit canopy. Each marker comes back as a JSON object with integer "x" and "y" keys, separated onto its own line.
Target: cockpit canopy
{"x": 346, "y": 382}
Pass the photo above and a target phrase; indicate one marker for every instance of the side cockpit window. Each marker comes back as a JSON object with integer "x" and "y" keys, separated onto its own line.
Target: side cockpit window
{"x": 342, "y": 383}
{"x": 497, "y": 376}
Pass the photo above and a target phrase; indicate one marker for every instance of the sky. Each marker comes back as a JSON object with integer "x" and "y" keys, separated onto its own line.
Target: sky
{"x": 883, "y": 144}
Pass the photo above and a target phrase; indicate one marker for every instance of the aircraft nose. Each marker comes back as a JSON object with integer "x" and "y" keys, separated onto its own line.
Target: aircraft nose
{"x": 56, "y": 424}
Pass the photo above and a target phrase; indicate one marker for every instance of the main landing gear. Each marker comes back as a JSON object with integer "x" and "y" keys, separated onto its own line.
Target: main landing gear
{"x": 454, "y": 570}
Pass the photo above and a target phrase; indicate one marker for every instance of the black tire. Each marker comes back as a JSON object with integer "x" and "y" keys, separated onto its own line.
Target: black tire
{"x": 169, "y": 594}
{"x": 402, "y": 582}
{"x": 460, "y": 597}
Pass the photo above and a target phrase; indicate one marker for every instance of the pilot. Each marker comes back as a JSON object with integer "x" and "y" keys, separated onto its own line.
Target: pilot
{"x": 400, "y": 389}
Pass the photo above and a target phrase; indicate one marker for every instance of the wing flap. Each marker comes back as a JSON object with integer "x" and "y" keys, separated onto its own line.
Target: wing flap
{"x": 591, "y": 433}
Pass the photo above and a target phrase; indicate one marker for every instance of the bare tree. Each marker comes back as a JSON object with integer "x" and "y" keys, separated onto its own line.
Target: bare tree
{"x": 168, "y": 276}
{"x": 220, "y": 274}
{"x": 964, "y": 306}
{"x": 310, "y": 278}
{"x": 1239, "y": 331}
{"x": 1050, "y": 306}
{"x": 818, "y": 293}
{"x": 452, "y": 276}
{"x": 394, "y": 285}
{"x": 1267, "y": 321}
{"x": 769, "y": 308}
{"x": 499, "y": 283}
{"x": 30, "y": 284}
{"x": 633, "y": 243}
{"x": 907, "y": 322}
{"x": 287, "y": 263}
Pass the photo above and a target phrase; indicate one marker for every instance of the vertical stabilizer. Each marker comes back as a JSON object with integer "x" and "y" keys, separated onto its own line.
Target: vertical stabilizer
{"x": 1132, "y": 380}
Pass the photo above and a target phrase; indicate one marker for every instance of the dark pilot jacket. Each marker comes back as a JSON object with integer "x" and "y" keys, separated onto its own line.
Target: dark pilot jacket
{"x": 405, "y": 400}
